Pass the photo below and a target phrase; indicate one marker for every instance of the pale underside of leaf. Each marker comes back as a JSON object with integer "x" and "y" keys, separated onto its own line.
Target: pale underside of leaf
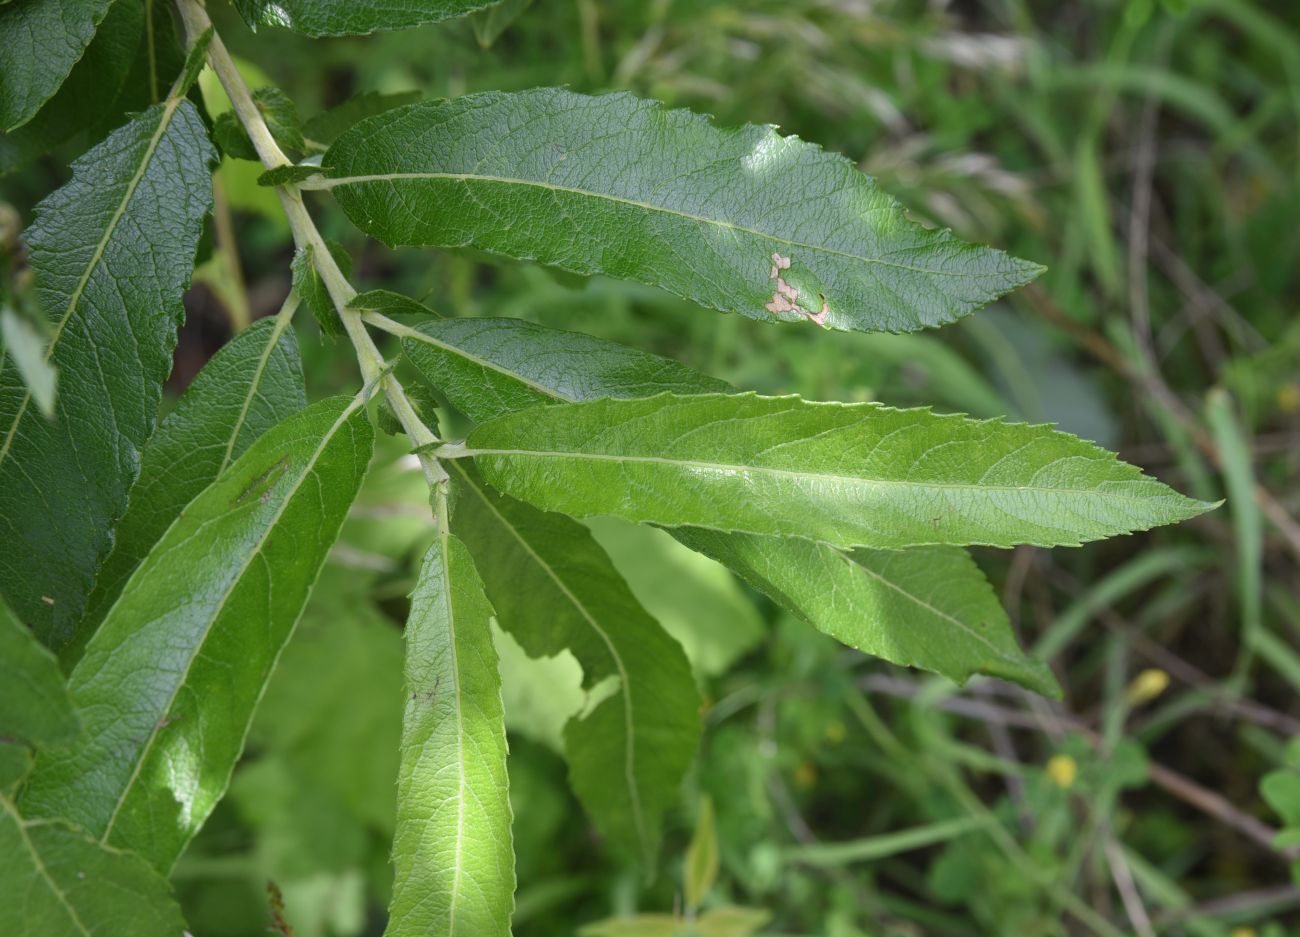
{"x": 168, "y": 684}
{"x": 619, "y": 186}
{"x": 895, "y": 605}
{"x": 844, "y": 474}
{"x": 452, "y": 853}
{"x": 649, "y": 725}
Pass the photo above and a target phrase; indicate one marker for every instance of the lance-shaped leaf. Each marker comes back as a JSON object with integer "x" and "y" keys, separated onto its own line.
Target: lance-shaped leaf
{"x": 34, "y": 704}
{"x": 40, "y": 41}
{"x": 167, "y": 686}
{"x": 736, "y": 220}
{"x": 57, "y": 882}
{"x": 127, "y": 66}
{"x": 925, "y": 607}
{"x": 251, "y": 384}
{"x": 844, "y": 474}
{"x": 553, "y": 588}
{"x": 354, "y": 17}
{"x": 492, "y": 366}
{"x": 112, "y": 251}
{"x": 452, "y": 853}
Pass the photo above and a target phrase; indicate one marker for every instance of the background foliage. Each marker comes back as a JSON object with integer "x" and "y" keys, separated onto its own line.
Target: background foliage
{"x": 1147, "y": 154}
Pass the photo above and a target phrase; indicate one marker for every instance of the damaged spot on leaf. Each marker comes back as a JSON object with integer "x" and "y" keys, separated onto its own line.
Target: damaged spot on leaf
{"x": 786, "y": 295}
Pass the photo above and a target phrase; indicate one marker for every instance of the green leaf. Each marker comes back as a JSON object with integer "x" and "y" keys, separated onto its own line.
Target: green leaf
{"x": 1281, "y": 791}
{"x": 620, "y": 186}
{"x": 287, "y": 175}
{"x": 452, "y": 855}
{"x": 88, "y": 94}
{"x": 553, "y": 588}
{"x": 389, "y": 303}
{"x": 57, "y": 882}
{"x": 34, "y": 703}
{"x": 695, "y": 599}
{"x": 844, "y": 474}
{"x": 251, "y": 384}
{"x": 310, "y": 288}
{"x": 168, "y": 684}
{"x": 731, "y": 921}
{"x": 700, "y": 865}
{"x": 728, "y": 921}
{"x": 488, "y": 367}
{"x": 927, "y": 607}
{"x": 353, "y": 18}
{"x": 951, "y": 624}
{"x": 40, "y": 41}
{"x": 280, "y": 114}
{"x": 112, "y": 251}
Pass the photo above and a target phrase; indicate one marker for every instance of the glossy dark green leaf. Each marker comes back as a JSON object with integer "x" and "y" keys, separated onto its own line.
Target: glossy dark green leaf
{"x": 487, "y": 367}
{"x": 352, "y": 17}
{"x": 112, "y": 251}
{"x": 89, "y": 92}
{"x": 452, "y": 856}
{"x": 843, "y": 474}
{"x": 882, "y": 602}
{"x": 553, "y": 589}
{"x": 168, "y": 684}
{"x": 34, "y": 703}
{"x": 130, "y": 64}
{"x": 251, "y": 384}
{"x": 55, "y": 881}
{"x": 40, "y": 42}
{"x": 731, "y": 219}
{"x": 927, "y": 607}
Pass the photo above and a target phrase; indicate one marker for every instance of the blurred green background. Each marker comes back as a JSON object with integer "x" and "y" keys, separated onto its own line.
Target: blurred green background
{"x": 1146, "y": 152}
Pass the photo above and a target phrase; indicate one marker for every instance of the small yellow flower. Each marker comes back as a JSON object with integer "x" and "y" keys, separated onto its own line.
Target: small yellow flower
{"x": 805, "y": 776}
{"x": 1288, "y": 398}
{"x": 1146, "y": 686}
{"x": 1062, "y": 769}
{"x": 1244, "y": 932}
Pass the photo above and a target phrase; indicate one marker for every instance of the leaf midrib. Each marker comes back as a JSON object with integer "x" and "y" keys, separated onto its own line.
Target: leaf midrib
{"x": 404, "y": 331}
{"x": 793, "y": 473}
{"x": 913, "y": 597}
{"x": 330, "y": 182}
{"x": 444, "y": 536}
{"x": 629, "y": 761}
{"x": 281, "y": 323}
{"x": 41, "y": 867}
{"x": 169, "y": 109}
{"x": 235, "y": 581}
